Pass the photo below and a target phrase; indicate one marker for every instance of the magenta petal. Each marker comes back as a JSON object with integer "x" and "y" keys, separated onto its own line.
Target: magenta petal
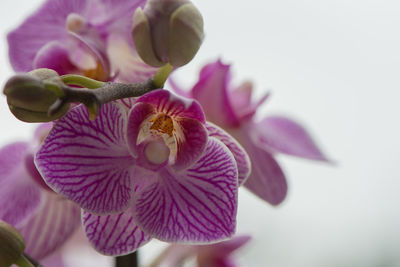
{"x": 114, "y": 234}
{"x": 198, "y": 205}
{"x": 241, "y": 157}
{"x": 173, "y": 105}
{"x": 88, "y": 161}
{"x": 45, "y": 25}
{"x": 54, "y": 55}
{"x": 212, "y": 92}
{"x": 50, "y": 226}
{"x": 267, "y": 179}
{"x": 20, "y": 195}
{"x": 192, "y": 141}
{"x": 283, "y": 135}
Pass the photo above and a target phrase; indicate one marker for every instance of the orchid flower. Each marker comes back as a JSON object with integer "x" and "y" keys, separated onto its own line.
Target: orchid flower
{"x": 232, "y": 109}
{"x": 212, "y": 255}
{"x": 89, "y": 37}
{"x": 152, "y": 171}
{"x": 44, "y": 219}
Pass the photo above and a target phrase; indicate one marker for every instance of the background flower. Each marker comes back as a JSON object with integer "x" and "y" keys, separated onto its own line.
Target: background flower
{"x": 88, "y": 37}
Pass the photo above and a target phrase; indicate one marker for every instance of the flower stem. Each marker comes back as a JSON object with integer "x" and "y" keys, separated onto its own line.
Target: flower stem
{"x": 73, "y": 79}
{"x": 94, "y": 98}
{"x": 130, "y": 260}
{"x": 23, "y": 261}
{"x": 161, "y": 76}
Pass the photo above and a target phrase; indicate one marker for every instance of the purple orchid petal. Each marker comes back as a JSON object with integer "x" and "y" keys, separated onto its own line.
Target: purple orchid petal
{"x": 114, "y": 234}
{"x": 219, "y": 254}
{"x": 192, "y": 141}
{"x": 137, "y": 115}
{"x": 212, "y": 92}
{"x": 267, "y": 179}
{"x": 224, "y": 248}
{"x": 125, "y": 61}
{"x": 22, "y": 196}
{"x": 50, "y": 226}
{"x": 88, "y": 161}
{"x": 41, "y": 132}
{"x": 45, "y": 25}
{"x": 280, "y": 134}
{"x": 173, "y": 105}
{"x": 241, "y": 157}
{"x": 54, "y": 55}
{"x": 198, "y": 205}
{"x": 53, "y": 260}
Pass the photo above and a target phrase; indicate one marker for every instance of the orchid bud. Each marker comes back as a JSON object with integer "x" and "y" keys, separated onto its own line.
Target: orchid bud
{"x": 30, "y": 95}
{"x": 167, "y": 31}
{"x": 12, "y": 244}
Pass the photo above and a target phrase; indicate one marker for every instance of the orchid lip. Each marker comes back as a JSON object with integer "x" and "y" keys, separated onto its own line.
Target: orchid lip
{"x": 156, "y": 152}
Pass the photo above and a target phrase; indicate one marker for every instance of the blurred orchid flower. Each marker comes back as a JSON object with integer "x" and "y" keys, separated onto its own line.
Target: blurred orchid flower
{"x": 152, "y": 171}
{"x": 44, "y": 219}
{"x": 89, "y": 37}
{"x": 233, "y": 110}
{"x": 213, "y": 255}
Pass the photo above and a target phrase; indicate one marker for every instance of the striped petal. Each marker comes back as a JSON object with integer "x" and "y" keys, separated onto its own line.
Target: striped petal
{"x": 198, "y": 205}
{"x": 241, "y": 157}
{"x": 50, "y": 226}
{"x": 88, "y": 161}
{"x": 114, "y": 234}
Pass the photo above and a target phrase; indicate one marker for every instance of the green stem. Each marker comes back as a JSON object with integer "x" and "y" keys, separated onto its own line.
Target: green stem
{"x": 24, "y": 262}
{"x": 162, "y": 74}
{"x": 74, "y": 79}
{"x": 130, "y": 260}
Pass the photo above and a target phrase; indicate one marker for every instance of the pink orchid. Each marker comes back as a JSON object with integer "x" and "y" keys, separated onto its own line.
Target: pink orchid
{"x": 155, "y": 170}
{"x": 213, "y": 255}
{"x": 232, "y": 109}
{"x": 89, "y": 37}
{"x": 44, "y": 219}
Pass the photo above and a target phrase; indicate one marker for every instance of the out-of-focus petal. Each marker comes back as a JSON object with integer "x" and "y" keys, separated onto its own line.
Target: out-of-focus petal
{"x": 54, "y": 55}
{"x": 267, "y": 179}
{"x": 19, "y": 193}
{"x": 50, "y": 226}
{"x": 198, "y": 205}
{"x": 125, "y": 62}
{"x": 241, "y": 157}
{"x": 224, "y": 248}
{"x": 114, "y": 234}
{"x": 45, "y": 25}
{"x": 88, "y": 161}
{"x": 212, "y": 92}
{"x": 173, "y": 105}
{"x": 280, "y": 134}
{"x": 53, "y": 260}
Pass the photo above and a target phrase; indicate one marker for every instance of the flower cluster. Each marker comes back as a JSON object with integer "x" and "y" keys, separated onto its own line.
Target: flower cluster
{"x": 133, "y": 161}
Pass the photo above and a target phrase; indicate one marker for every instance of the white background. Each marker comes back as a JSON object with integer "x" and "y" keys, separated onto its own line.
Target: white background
{"x": 334, "y": 65}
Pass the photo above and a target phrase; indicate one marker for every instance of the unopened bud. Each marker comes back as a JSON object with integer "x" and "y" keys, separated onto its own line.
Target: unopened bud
{"x": 12, "y": 244}
{"x": 30, "y": 95}
{"x": 167, "y": 31}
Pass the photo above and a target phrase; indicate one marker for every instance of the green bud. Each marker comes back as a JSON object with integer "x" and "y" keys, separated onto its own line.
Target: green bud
{"x": 167, "y": 32}
{"x": 30, "y": 95}
{"x": 12, "y": 245}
